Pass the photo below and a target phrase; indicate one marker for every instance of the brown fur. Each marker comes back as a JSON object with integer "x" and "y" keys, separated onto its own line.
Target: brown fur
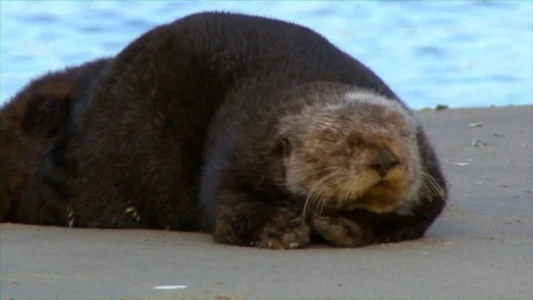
{"x": 31, "y": 120}
{"x": 194, "y": 129}
{"x": 334, "y": 149}
{"x": 308, "y": 153}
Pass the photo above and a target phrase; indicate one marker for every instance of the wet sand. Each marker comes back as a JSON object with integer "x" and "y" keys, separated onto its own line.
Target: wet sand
{"x": 481, "y": 247}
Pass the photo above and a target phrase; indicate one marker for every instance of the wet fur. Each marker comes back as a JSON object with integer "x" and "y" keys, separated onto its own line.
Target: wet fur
{"x": 31, "y": 120}
{"x": 182, "y": 134}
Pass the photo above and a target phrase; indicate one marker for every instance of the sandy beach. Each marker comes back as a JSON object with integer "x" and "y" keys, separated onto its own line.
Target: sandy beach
{"x": 480, "y": 248}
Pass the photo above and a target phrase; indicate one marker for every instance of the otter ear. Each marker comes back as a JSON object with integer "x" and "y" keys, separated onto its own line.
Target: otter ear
{"x": 283, "y": 147}
{"x": 286, "y": 146}
{"x": 46, "y": 114}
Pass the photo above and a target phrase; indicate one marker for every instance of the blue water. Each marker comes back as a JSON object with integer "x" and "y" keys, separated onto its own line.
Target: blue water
{"x": 457, "y": 53}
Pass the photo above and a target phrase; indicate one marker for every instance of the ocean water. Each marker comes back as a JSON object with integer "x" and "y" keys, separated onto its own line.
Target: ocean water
{"x": 456, "y": 53}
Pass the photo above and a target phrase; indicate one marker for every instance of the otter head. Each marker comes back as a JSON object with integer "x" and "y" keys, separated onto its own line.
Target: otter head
{"x": 360, "y": 152}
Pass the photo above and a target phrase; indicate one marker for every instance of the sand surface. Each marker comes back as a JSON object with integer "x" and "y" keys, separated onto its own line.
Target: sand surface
{"x": 481, "y": 247}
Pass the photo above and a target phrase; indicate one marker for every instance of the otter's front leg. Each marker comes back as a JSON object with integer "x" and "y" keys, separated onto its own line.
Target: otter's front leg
{"x": 342, "y": 232}
{"x": 238, "y": 220}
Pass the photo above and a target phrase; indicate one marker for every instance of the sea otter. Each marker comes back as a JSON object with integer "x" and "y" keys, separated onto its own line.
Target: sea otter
{"x": 257, "y": 130}
{"x": 31, "y": 120}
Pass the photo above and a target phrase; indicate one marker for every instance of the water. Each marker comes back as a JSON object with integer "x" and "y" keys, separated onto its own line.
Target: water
{"x": 457, "y": 53}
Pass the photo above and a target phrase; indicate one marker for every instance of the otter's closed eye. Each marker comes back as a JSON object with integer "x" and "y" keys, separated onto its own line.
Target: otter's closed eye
{"x": 354, "y": 139}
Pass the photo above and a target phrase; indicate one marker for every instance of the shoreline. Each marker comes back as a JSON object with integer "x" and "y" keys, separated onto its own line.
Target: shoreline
{"x": 444, "y": 107}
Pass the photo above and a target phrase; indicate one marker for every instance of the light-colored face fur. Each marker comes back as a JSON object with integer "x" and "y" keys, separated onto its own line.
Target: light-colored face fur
{"x": 359, "y": 151}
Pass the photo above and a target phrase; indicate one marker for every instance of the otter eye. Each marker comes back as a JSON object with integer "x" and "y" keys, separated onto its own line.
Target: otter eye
{"x": 354, "y": 139}
{"x": 329, "y": 136}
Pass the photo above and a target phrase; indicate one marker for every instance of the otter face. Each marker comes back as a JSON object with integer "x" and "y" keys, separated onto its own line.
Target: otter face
{"x": 352, "y": 155}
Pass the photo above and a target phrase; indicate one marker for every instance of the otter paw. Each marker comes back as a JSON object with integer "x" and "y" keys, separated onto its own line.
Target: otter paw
{"x": 284, "y": 236}
{"x": 341, "y": 232}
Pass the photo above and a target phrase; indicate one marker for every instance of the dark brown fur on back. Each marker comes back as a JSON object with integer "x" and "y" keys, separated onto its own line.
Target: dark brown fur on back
{"x": 179, "y": 133}
{"x": 32, "y": 119}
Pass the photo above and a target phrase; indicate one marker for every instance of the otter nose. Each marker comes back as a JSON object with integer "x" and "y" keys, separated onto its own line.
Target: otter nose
{"x": 384, "y": 161}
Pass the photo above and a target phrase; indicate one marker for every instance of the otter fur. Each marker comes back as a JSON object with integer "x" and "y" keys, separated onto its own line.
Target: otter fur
{"x": 31, "y": 120}
{"x": 257, "y": 130}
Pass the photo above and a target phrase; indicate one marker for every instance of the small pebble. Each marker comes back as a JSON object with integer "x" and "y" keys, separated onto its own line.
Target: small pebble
{"x": 169, "y": 287}
{"x": 478, "y": 143}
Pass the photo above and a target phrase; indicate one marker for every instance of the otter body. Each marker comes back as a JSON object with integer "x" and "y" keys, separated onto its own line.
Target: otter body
{"x": 32, "y": 119}
{"x": 233, "y": 124}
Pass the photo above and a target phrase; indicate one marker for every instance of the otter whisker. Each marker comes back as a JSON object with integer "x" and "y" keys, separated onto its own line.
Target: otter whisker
{"x": 438, "y": 191}
{"x": 337, "y": 175}
{"x": 309, "y": 174}
{"x": 319, "y": 201}
{"x": 322, "y": 204}
{"x": 427, "y": 191}
{"x": 314, "y": 201}
{"x": 430, "y": 187}
{"x": 309, "y": 202}
{"x": 316, "y": 193}
{"x": 347, "y": 192}
{"x": 306, "y": 207}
